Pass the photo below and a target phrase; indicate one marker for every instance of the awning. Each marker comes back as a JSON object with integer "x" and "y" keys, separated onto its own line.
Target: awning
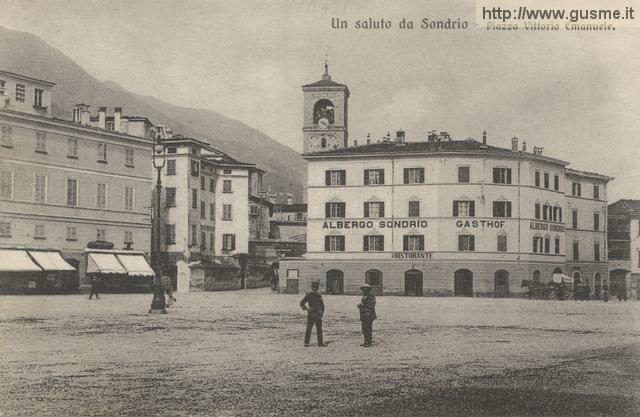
{"x": 105, "y": 263}
{"x": 12, "y": 260}
{"x": 136, "y": 265}
{"x": 51, "y": 261}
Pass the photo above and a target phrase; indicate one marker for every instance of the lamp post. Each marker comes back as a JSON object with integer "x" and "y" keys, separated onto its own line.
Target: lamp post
{"x": 158, "y": 305}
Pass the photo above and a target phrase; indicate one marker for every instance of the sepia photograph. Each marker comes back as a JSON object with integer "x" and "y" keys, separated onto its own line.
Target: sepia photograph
{"x": 319, "y": 208}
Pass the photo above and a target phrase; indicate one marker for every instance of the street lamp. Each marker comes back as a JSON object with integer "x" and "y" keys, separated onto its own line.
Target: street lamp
{"x": 158, "y": 305}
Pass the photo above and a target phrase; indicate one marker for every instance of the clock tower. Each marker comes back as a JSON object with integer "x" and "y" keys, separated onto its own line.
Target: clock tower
{"x": 325, "y": 114}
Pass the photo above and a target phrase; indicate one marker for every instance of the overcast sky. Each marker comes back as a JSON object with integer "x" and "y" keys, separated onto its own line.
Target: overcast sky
{"x": 577, "y": 94}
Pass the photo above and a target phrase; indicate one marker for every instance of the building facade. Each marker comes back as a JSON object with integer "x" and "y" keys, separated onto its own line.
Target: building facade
{"x": 445, "y": 217}
{"x": 624, "y": 248}
{"x": 205, "y": 207}
{"x": 65, "y": 183}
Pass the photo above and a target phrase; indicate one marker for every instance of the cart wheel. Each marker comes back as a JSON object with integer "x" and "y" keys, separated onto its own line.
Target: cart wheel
{"x": 553, "y": 295}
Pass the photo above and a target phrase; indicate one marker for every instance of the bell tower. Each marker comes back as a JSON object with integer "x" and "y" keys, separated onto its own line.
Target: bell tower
{"x": 325, "y": 124}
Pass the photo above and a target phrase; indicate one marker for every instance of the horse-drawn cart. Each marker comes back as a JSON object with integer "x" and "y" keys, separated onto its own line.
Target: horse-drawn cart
{"x": 561, "y": 287}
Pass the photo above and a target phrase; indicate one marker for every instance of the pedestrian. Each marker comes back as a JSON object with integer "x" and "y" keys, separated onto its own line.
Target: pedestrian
{"x": 367, "y": 309}
{"x": 168, "y": 289}
{"x": 605, "y": 292}
{"x": 94, "y": 287}
{"x": 313, "y": 304}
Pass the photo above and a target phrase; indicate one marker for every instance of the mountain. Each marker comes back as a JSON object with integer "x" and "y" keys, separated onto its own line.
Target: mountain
{"x": 24, "y": 53}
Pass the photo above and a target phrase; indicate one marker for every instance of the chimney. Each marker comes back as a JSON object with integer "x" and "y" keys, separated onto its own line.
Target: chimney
{"x": 355, "y": 143}
{"x": 85, "y": 116}
{"x": 524, "y": 146}
{"x": 484, "y": 137}
{"x": 514, "y": 144}
{"x": 77, "y": 113}
{"x": 368, "y": 138}
{"x": 102, "y": 117}
{"x": 400, "y": 136}
{"x": 289, "y": 199}
{"x": 117, "y": 116}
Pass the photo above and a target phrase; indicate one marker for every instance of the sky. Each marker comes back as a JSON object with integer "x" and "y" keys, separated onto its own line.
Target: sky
{"x": 574, "y": 93}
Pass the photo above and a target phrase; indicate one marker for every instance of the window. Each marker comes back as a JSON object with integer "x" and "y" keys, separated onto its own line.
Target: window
{"x": 6, "y": 184}
{"x": 226, "y": 212}
{"x": 576, "y": 251}
{"x": 228, "y": 242}
{"x": 129, "y": 194}
{"x": 334, "y": 210}
{"x": 502, "y": 243}
{"x": 537, "y": 244}
{"x": 253, "y": 210}
{"x": 335, "y": 177}
{"x": 226, "y": 186}
{"x": 373, "y": 176}
{"x": 576, "y": 189}
{"x": 596, "y": 252}
{"x": 537, "y": 210}
{"x": 557, "y": 214}
{"x": 546, "y": 180}
{"x": 574, "y": 219}
{"x": 502, "y": 209}
{"x": 547, "y": 244}
{"x": 194, "y": 198}
{"x": 463, "y": 208}
{"x": 194, "y": 235}
{"x": 466, "y": 243}
{"x": 556, "y": 182}
{"x": 20, "y": 92}
{"x": 170, "y": 199}
{"x": 38, "y": 231}
{"x": 195, "y": 168}
{"x": 203, "y": 210}
{"x": 211, "y": 240}
{"x": 40, "y": 189}
{"x": 463, "y": 174}
{"x": 226, "y": 171}
{"x": 37, "y": 98}
{"x": 171, "y": 167}
{"x": 41, "y": 142}
{"x": 72, "y": 192}
{"x": 334, "y": 243}
{"x": 101, "y": 235}
{"x": 373, "y": 243}
{"x": 5, "y": 229}
{"x": 203, "y": 241}
{"x": 596, "y": 192}
{"x": 212, "y": 211}
{"x": 128, "y": 236}
{"x": 557, "y": 246}
{"x": 596, "y": 221}
{"x": 502, "y": 175}
{"x": 101, "y": 195}
{"x": 2, "y": 87}
{"x": 537, "y": 179}
{"x": 547, "y": 212}
{"x": 7, "y": 136}
{"x": 128, "y": 157}
{"x": 414, "y": 175}
{"x": 374, "y": 209}
{"x": 102, "y": 152}
{"x": 293, "y": 273}
{"x": 212, "y": 185}
{"x": 414, "y": 208}
{"x": 170, "y": 234}
{"x": 413, "y": 242}
{"x": 72, "y": 233}
{"x": 72, "y": 148}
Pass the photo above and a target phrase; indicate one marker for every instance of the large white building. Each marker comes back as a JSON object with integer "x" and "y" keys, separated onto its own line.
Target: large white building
{"x": 443, "y": 217}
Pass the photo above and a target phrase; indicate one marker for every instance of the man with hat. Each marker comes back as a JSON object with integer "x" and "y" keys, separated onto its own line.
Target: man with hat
{"x": 315, "y": 311}
{"x": 367, "y": 309}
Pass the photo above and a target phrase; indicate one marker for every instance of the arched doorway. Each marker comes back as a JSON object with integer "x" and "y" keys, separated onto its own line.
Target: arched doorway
{"x": 373, "y": 277}
{"x": 413, "y": 283}
{"x": 501, "y": 283}
{"x": 463, "y": 283}
{"x": 335, "y": 282}
{"x": 618, "y": 283}
{"x": 597, "y": 285}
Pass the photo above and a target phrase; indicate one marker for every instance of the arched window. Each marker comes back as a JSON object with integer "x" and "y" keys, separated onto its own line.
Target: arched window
{"x": 323, "y": 142}
{"x": 323, "y": 109}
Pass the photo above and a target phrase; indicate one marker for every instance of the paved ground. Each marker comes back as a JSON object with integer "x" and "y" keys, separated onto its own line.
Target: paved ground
{"x": 241, "y": 354}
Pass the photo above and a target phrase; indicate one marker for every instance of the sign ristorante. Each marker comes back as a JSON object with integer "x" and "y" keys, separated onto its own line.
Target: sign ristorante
{"x": 412, "y": 255}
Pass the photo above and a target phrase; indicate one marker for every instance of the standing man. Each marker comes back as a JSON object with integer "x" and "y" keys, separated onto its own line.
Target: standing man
{"x": 605, "y": 291}
{"x": 313, "y": 304}
{"x": 367, "y": 309}
{"x": 94, "y": 287}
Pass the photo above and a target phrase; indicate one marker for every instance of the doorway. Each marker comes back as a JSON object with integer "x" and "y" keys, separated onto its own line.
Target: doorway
{"x": 463, "y": 283}
{"x": 413, "y": 283}
{"x": 373, "y": 277}
{"x": 335, "y": 282}
{"x": 501, "y": 284}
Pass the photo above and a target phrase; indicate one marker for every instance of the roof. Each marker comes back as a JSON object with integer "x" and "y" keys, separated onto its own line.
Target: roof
{"x": 27, "y": 78}
{"x": 625, "y": 207}
{"x": 594, "y": 175}
{"x": 291, "y": 208}
{"x": 215, "y": 156}
{"x": 325, "y": 83}
{"x": 469, "y": 145}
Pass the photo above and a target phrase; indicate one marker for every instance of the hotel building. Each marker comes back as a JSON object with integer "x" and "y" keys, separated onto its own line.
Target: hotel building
{"x": 440, "y": 216}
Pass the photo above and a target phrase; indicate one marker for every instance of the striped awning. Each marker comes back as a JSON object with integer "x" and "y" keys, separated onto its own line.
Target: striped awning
{"x": 15, "y": 260}
{"x": 51, "y": 261}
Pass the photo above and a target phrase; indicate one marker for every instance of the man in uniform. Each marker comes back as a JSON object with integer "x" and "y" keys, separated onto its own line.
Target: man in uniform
{"x": 367, "y": 309}
{"x": 313, "y": 304}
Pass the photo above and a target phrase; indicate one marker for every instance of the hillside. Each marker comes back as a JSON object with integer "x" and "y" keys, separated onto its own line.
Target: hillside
{"x": 27, "y": 54}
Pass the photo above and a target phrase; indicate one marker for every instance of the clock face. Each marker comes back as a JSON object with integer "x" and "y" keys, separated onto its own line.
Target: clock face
{"x": 323, "y": 123}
